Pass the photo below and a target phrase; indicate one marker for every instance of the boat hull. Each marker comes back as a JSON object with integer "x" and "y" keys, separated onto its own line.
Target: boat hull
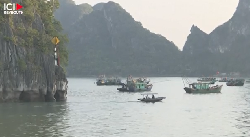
{"x": 203, "y": 91}
{"x": 100, "y": 83}
{"x": 108, "y": 83}
{"x": 235, "y": 84}
{"x": 152, "y": 100}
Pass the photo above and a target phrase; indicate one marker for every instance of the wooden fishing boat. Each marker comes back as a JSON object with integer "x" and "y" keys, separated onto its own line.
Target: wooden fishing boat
{"x": 136, "y": 85}
{"x": 206, "y": 79}
{"x": 224, "y": 80}
{"x": 146, "y": 98}
{"x": 236, "y": 82}
{"x": 203, "y": 88}
{"x": 102, "y": 80}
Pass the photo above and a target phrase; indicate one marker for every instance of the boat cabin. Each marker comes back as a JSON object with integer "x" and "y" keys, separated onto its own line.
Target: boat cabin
{"x": 207, "y": 79}
{"x": 140, "y": 85}
{"x": 242, "y": 80}
{"x": 199, "y": 85}
{"x": 100, "y": 80}
{"x": 237, "y": 80}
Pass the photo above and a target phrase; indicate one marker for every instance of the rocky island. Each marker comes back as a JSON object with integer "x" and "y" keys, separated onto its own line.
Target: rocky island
{"x": 27, "y": 65}
{"x": 225, "y": 49}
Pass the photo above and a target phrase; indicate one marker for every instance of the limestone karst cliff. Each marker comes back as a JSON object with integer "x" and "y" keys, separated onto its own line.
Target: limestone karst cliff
{"x": 27, "y": 67}
{"x": 225, "y": 49}
{"x": 106, "y": 39}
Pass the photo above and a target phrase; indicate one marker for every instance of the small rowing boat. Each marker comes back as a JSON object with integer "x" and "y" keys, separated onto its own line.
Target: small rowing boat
{"x": 146, "y": 98}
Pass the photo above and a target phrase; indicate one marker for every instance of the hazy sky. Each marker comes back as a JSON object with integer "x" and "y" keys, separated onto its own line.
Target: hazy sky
{"x": 174, "y": 18}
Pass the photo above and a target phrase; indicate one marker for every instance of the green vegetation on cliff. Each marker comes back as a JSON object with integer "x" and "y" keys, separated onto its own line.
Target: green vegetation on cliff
{"x": 35, "y": 28}
{"x": 27, "y": 67}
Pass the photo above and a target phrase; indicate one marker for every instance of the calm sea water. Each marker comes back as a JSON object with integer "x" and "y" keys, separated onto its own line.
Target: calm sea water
{"x": 93, "y": 111}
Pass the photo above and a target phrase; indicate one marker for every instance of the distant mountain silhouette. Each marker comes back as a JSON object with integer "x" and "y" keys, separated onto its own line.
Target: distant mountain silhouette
{"x": 225, "y": 49}
{"x": 105, "y": 39}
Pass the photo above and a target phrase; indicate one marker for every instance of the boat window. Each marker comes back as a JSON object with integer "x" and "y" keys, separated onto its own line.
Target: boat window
{"x": 202, "y": 86}
{"x": 197, "y": 86}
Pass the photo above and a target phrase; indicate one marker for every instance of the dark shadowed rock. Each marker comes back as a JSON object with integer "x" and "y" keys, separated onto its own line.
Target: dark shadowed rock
{"x": 28, "y": 85}
{"x": 26, "y": 73}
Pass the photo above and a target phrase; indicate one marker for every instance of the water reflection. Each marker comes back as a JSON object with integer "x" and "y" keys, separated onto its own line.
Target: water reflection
{"x": 32, "y": 119}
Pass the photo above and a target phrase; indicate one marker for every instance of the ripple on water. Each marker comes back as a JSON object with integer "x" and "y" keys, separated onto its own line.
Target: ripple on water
{"x": 101, "y": 111}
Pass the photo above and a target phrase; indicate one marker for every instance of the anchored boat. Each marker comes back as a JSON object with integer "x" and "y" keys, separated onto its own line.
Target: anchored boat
{"x": 102, "y": 80}
{"x": 207, "y": 79}
{"x": 203, "y": 88}
{"x": 224, "y": 80}
{"x": 146, "y": 98}
{"x": 236, "y": 82}
{"x": 135, "y": 85}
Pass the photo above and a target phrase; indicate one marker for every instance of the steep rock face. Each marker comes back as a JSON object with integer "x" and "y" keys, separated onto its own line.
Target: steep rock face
{"x": 108, "y": 40}
{"x": 26, "y": 82}
{"x": 226, "y": 48}
{"x": 60, "y": 84}
{"x": 196, "y": 52}
{"x": 223, "y": 37}
{"x": 69, "y": 13}
{"x": 26, "y": 73}
{"x": 194, "y": 46}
